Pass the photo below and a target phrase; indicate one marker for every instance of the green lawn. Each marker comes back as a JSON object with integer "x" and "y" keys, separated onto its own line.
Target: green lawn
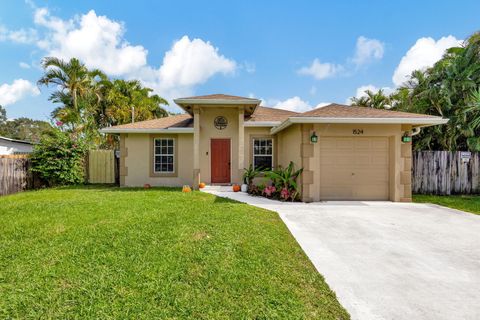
{"x": 470, "y": 203}
{"x": 105, "y": 253}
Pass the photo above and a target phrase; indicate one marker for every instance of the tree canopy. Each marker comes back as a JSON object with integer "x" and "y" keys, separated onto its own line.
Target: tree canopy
{"x": 88, "y": 100}
{"x": 450, "y": 89}
{"x": 21, "y": 128}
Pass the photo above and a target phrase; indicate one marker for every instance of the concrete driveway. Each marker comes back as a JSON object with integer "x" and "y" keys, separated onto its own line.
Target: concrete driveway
{"x": 389, "y": 260}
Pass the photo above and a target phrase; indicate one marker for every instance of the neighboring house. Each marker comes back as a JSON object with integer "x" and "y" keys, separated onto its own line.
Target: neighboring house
{"x": 13, "y": 146}
{"x": 347, "y": 153}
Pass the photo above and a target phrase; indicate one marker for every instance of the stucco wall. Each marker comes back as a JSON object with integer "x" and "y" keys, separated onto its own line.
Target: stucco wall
{"x": 136, "y": 156}
{"x": 289, "y": 144}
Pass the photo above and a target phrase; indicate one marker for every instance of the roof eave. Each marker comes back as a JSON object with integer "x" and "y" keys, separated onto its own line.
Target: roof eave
{"x": 420, "y": 122}
{"x": 146, "y": 130}
{"x": 261, "y": 123}
{"x": 182, "y": 101}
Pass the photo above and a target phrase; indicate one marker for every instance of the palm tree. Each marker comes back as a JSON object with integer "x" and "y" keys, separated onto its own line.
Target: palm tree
{"x": 122, "y": 95}
{"x": 376, "y": 100}
{"x": 74, "y": 81}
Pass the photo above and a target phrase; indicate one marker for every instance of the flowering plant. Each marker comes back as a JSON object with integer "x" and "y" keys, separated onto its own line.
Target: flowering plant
{"x": 269, "y": 191}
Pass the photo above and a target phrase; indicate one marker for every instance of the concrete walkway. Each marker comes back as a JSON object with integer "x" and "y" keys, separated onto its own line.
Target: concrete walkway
{"x": 388, "y": 260}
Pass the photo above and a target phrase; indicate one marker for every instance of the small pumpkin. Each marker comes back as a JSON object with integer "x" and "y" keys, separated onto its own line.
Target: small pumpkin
{"x": 186, "y": 189}
{"x": 236, "y": 188}
{"x": 201, "y": 185}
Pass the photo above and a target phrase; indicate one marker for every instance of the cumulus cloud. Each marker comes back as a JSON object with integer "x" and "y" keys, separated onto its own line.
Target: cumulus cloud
{"x": 423, "y": 54}
{"x": 20, "y": 88}
{"x": 296, "y": 104}
{"x": 367, "y": 50}
{"x": 100, "y": 43}
{"x": 320, "y": 70}
{"x": 94, "y": 39}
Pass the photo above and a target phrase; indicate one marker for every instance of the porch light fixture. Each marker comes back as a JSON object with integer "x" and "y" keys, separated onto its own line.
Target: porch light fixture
{"x": 313, "y": 138}
{"x": 406, "y": 138}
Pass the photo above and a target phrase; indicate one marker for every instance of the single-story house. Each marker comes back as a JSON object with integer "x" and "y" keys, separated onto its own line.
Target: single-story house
{"x": 14, "y": 146}
{"x": 347, "y": 153}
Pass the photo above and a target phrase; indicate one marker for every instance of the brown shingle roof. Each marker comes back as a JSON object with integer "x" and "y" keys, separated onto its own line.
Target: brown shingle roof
{"x": 270, "y": 114}
{"x": 176, "y": 121}
{"x": 342, "y": 111}
{"x": 219, "y": 97}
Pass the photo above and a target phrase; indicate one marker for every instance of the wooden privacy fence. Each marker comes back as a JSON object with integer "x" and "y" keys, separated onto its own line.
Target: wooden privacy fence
{"x": 445, "y": 172}
{"x": 101, "y": 166}
{"x": 15, "y": 175}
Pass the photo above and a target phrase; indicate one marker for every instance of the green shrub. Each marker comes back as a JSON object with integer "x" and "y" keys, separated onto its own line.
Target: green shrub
{"x": 285, "y": 182}
{"x": 59, "y": 158}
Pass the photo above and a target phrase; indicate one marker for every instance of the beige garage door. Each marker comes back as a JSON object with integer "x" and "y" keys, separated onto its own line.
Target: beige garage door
{"x": 354, "y": 168}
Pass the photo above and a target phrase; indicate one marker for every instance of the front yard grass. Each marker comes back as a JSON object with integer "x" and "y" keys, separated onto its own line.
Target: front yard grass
{"x": 111, "y": 253}
{"x": 469, "y": 203}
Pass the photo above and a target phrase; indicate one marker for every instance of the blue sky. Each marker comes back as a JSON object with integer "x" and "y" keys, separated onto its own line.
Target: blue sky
{"x": 294, "y": 55}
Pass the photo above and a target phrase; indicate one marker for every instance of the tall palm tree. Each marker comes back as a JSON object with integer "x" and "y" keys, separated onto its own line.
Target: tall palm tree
{"x": 74, "y": 82}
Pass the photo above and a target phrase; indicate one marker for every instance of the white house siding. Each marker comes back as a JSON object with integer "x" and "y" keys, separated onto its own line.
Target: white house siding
{"x": 13, "y": 147}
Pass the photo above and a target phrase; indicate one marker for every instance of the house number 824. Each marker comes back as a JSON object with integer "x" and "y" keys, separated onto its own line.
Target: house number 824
{"x": 357, "y": 131}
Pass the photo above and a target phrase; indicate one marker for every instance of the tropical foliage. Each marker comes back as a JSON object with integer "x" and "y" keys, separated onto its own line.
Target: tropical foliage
{"x": 281, "y": 183}
{"x": 88, "y": 100}
{"x": 450, "y": 89}
{"x": 59, "y": 158}
{"x": 250, "y": 174}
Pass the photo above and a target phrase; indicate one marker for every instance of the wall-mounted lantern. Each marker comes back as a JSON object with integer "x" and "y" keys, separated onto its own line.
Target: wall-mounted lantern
{"x": 313, "y": 138}
{"x": 406, "y": 138}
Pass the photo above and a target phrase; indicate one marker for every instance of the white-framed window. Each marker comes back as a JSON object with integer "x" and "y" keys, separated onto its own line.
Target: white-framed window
{"x": 263, "y": 153}
{"x": 164, "y": 155}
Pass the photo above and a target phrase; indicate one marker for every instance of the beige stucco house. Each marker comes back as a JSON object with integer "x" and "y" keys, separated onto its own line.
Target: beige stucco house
{"x": 348, "y": 153}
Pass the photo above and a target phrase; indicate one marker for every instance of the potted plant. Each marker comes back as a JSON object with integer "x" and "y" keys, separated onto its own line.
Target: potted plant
{"x": 248, "y": 176}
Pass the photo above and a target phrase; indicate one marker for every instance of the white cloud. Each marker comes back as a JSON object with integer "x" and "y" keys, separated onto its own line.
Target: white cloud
{"x": 320, "y": 70}
{"x": 20, "y": 88}
{"x": 423, "y": 54}
{"x": 95, "y": 40}
{"x": 23, "y": 36}
{"x": 313, "y": 90}
{"x": 24, "y": 65}
{"x": 296, "y": 104}
{"x": 367, "y": 50}
{"x": 99, "y": 42}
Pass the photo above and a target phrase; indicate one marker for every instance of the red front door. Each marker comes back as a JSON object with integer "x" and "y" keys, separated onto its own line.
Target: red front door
{"x": 220, "y": 164}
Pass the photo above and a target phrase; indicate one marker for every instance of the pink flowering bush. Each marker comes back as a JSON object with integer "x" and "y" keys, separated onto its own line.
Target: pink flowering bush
{"x": 283, "y": 184}
{"x": 284, "y": 194}
{"x": 269, "y": 191}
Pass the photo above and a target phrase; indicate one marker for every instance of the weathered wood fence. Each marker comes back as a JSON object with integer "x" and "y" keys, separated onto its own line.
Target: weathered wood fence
{"x": 445, "y": 172}
{"x": 15, "y": 175}
{"x": 101, "y": 166}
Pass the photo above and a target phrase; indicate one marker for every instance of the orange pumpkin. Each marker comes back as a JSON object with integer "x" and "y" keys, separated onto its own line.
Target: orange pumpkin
{"x": 186, "y": 188}
{"x": 236, "y": 188}
{"x": 201, "y": 185}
